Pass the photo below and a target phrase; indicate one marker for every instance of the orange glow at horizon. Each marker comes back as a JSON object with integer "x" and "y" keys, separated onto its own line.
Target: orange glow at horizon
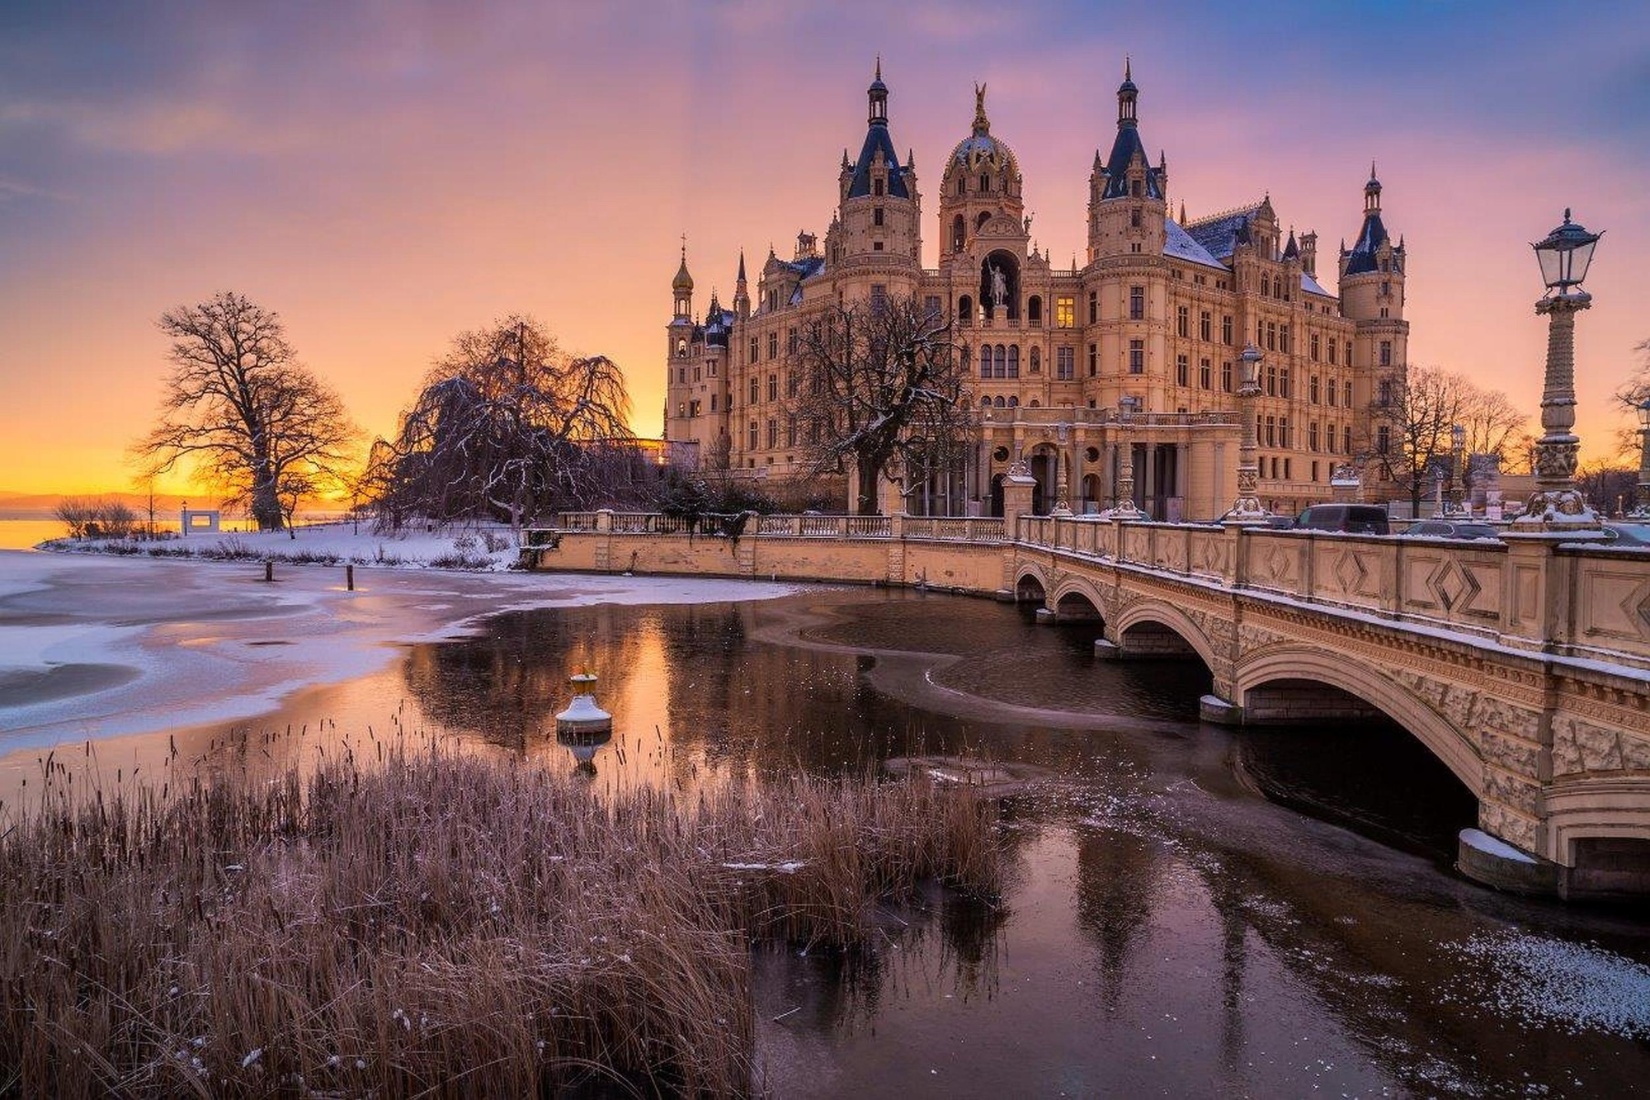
{"x": 416, "y": 178}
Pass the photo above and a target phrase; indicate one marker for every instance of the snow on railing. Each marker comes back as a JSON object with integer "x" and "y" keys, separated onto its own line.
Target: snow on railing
{"x": 954, "y": 528}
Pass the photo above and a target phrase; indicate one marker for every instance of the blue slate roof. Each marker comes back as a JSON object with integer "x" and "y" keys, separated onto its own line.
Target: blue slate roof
{"x": 877, "y": 140}
{"x": 1361, "y": 260}
{"x": 1312, "y": 286}
{"x": 1220, "y": 236}
{"x": 1181, "y": 245}
{"x": 1117, "y": 165}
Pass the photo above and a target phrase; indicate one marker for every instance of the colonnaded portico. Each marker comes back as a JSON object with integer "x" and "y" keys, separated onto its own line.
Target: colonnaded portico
{"x": 1523, "y": 665}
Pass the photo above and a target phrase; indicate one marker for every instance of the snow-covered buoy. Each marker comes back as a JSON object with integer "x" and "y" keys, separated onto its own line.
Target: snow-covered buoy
{"x": 582, "y": 715}
{"x": 584, "y": 727}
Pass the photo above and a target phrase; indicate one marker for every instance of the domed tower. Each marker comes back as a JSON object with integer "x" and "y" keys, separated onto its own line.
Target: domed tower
{"x": 1372, "y": 290}
{"x": 880, "y": 209}
{"x": 982, "y": 216}
{"x": 1128, "y": 198}
{"x": 682, "y": 339}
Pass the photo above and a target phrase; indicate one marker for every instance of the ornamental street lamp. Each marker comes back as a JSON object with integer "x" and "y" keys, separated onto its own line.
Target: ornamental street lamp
{"x": 1457, "y": 483}
{"x": 1556, "y": 504}
{"x": 1247, "y": 509}
{"x": 1641, "y": 508}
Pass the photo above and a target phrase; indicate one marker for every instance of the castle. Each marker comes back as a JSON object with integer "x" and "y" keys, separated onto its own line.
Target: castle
{"x": 1129, "y": 364}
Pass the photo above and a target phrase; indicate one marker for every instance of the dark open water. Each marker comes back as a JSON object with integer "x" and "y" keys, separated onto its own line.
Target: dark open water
{"x": 1169, "y": 931}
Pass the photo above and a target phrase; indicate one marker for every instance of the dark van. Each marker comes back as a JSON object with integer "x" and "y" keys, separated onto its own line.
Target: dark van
{"x": 1354, "y": 519}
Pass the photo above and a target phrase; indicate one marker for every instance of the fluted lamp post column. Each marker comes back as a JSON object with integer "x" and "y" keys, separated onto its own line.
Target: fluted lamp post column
{"x": 1457, "y": 472}
{"x": 1124, "y": 506}
{"x": 1247, "y": 509}
{"x": 1557, "y": 505}
{"x": 1641, "y": 507}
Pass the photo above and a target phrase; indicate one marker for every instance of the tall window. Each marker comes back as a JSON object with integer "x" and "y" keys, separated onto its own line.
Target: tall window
{"x": 1349, "y": 353}
{"x": 1314, "y": 346}
{"x": 1386, "y": 392}
{"x": 773, "y": 345}
{"x": 1346, "y": 438}
{"x": 756, "y": 384}
{"x": 1182, "y": 371}
{"x": 1271, "y": 380}
{"x": 1183, "y": 321}
{"x": 1094, "y": 306}
{"x": 1226, "y": 377}
{"x": 879, "y": 299}
{"x": 1332, "y": 346}
{"x": 1313, "y": 392}
{"x": 1346, "y": 393}
{"x": 1036, "y": 360}
{"x": 1137, "y": 303}
{"x": 1204, "y": 321}
{"x": 1204, "y": 379}
{"x": 773, "y": 387}
{"x": 1283, "y": 431}
{"x": 790, "y": 431}
{"x": 1226, "y": 329}
{"x": 876, "y": 215}
{"x": 1283, "y": 338}
{"x": 1065, "y": 312}
{"x": 1312, "y": 436}
{"x": 1014, "y": 360}
{"x": 1094, "y": 360}
{"x": 751, "y": 435}
{"x": 1271, "y": 431}
{"x": 773, "y": 432}
{"x": 1383, "y": 439}
{"x": 1386, "y": 353}
{"x": 1271, "y": 336}
{"x": 1063, "y": 363}
{"x": 1283, "y": 382}
{"x": 1137, "y": 357}
{"x": 1332, "y": 401}
{"x": 999, "y": 362}
{"x": 756, "y": 350}
{"x": 985, "y": 360}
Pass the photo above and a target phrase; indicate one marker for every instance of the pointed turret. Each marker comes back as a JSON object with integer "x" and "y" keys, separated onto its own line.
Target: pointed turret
{"x": 682, "y": 288}
{"x": 741, "y": 291}
{"x": 877, "y": 143}
{"x": 1291, "y": 251}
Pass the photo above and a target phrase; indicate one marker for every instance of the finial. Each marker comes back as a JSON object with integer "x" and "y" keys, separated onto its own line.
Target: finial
{"x": 982, "y": 124}
{"x": 684, "y": 248}
{"x": 1128, "y": 68}
{"x": 1566, "y": 215}
{"x": 1182, "y": 212}
{"x": 879, "y": 66}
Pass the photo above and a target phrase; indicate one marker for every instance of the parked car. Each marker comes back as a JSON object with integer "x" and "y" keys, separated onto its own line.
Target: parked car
{"x": 1356, "y": 519}
{"x": 1627, "y": 534}
{"x": 1278, "y": 523}
{"x": 1454, "y": 529}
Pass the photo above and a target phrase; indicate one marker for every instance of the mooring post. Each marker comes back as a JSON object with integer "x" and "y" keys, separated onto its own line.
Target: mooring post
{"x": 269, "y": 570}
{"x": 349, "y": 577}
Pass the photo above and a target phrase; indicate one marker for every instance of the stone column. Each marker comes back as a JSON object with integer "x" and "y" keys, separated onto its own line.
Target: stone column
{"x": 1124, "y": 508}
{"x": 1247, "y": 507}
{"x": 1556, "y": 503}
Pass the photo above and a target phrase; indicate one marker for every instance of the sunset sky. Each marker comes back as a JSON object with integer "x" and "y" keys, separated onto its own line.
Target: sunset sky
{"x": 387, "y": 174}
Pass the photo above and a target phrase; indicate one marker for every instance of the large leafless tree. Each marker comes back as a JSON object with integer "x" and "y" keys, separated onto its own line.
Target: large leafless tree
{"x": 244, "y": 413}
{"x": 878, "y": 383}
{"x": 507, "y": 426}
{"x": 1411, "y": 423}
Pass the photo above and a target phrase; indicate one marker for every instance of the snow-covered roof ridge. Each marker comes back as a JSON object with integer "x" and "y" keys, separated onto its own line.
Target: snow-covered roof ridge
{"x": 1183, "y": 246}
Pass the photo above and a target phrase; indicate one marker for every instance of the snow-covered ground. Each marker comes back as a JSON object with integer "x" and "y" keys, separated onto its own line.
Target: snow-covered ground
{"x": 477, "y": 548}
{"x": 95, "y": 646}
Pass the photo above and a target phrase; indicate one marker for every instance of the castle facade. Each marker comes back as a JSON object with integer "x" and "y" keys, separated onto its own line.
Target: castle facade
{"x": 1127, "y": 364}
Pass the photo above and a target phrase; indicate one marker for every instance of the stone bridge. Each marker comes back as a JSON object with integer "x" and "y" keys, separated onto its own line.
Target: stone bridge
{"x": 1523, "y": 665}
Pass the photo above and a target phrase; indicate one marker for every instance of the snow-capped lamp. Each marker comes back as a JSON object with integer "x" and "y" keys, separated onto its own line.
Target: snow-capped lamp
{"x": 584, "y": 727}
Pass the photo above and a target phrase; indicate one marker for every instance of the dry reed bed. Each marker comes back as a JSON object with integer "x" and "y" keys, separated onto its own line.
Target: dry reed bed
{"x": 441, "y": 925}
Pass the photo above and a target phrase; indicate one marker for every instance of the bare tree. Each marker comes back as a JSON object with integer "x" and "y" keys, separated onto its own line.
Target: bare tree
{"x": 243, "y": 411}
{"x": 1410, "y": 427}
{"x": 1609, "y": 485}
{"x": 507, "y": 425}
{"x": 877, "y": 381}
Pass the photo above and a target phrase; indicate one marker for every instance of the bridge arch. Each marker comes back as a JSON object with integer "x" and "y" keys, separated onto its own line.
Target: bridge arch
{"x": 1164, "y": 616}
{"x": 1297, "y": 663}
{"x": 1030, "y": 584}
{"x": 1074, "y": 598}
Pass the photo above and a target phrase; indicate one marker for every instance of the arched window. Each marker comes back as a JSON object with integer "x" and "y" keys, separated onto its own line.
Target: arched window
{"x": 999, "y": 402}
{"x": 1034, "y": 309}
{"x": 985, "y": 360}
{"x": 965, "y": 310}
{"x": 1036, "y": 360}
{"x": 681, "y": 347}
{"x": 1014, "y": 361}
{"x": 1036, "y": 404}
{"x": 957, "y": 229}
{"x": 985, "y": 216}
{"x": 1013, "y": 402}
{"x": 985, "y": 402}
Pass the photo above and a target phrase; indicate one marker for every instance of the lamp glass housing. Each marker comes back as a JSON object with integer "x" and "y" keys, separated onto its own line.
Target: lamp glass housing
{"x": 1565, "y": 255}
{"x": 1644, "y": 413}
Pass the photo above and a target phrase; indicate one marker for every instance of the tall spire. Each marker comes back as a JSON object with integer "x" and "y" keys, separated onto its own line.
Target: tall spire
{"x": 682, "y": 286}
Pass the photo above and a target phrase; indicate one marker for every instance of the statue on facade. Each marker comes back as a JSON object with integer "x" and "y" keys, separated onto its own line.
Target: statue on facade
{"x": 999, "y": 287}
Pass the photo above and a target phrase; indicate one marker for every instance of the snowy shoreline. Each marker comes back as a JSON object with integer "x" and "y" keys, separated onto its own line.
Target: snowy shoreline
{"x": 96, "y": 646}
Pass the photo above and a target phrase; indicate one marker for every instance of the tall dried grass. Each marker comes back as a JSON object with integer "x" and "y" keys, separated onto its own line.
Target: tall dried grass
{"x": 441, "y": 925}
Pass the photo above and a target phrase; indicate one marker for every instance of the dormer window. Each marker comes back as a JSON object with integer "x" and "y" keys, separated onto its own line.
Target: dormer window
{"x": 876, "y": 189}
{"x": 1134, "y": 188}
